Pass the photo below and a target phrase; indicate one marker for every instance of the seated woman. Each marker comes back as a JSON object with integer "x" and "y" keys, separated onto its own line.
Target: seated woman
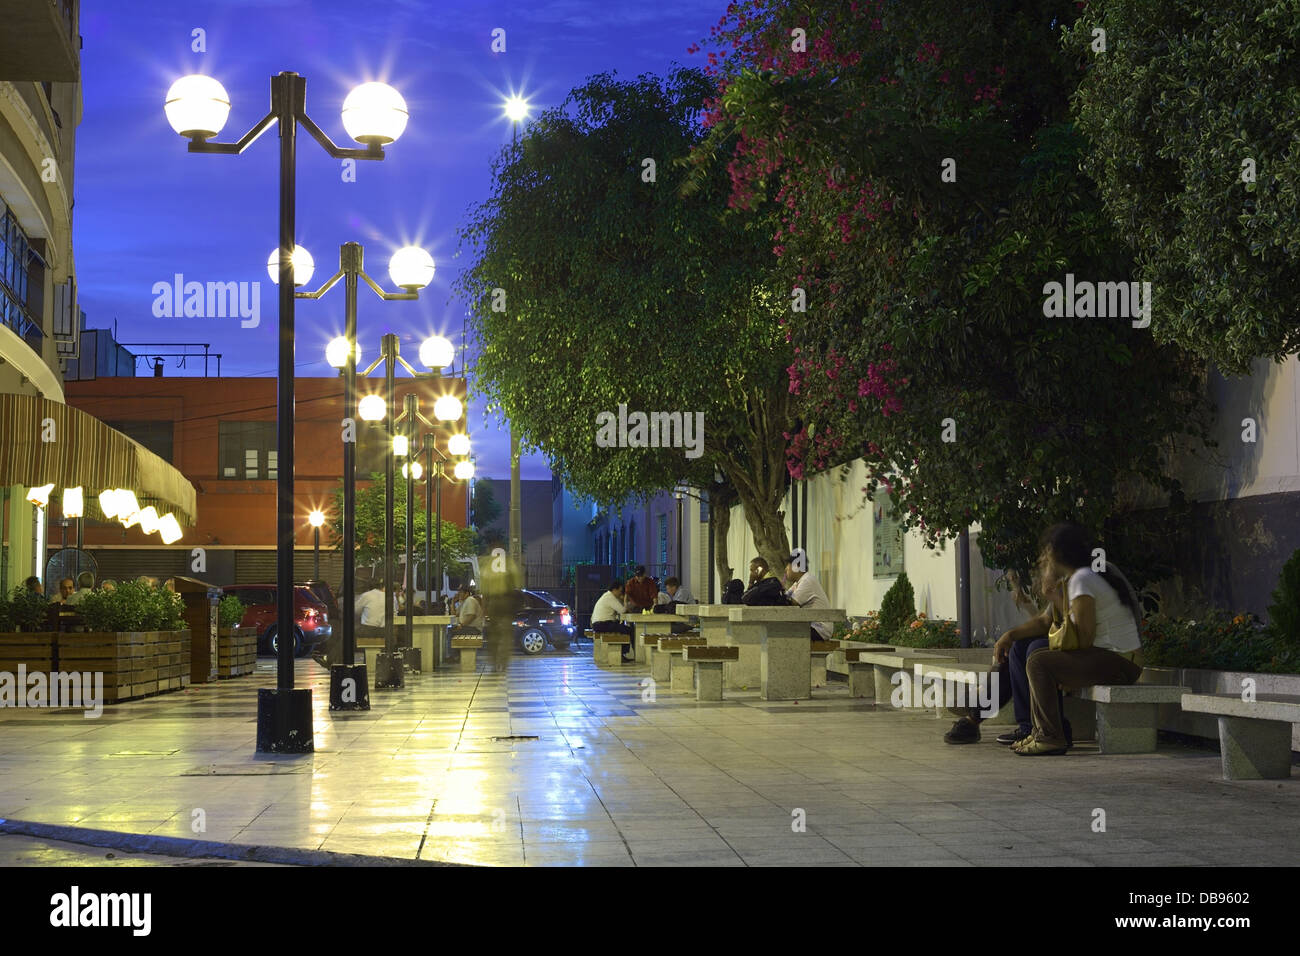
{"x": 1106, "y": 615}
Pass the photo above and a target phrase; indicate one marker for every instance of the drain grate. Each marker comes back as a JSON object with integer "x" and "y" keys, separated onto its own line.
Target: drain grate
{"x": 517, "y": 737}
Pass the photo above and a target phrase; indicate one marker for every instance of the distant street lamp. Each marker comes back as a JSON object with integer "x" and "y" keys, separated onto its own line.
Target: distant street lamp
{"x": 373, "y": 114}
{"x": 410, "y": 269}
{"x": 516, "y": 110}
{"x": 316, "y": 519}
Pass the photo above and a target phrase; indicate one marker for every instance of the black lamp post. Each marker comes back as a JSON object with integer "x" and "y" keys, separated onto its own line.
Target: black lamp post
{"x": 373, "y": 114}
{"x": 410, "y": 268}
{"x": 316, "y": 519}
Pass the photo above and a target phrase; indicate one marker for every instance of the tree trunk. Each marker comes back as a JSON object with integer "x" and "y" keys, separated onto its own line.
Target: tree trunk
{"x": 721, "y": 498}
{"x": 760, "y": 477}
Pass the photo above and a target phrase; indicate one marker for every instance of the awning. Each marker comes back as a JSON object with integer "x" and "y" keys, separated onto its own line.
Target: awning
{"x": 43, "y": 442}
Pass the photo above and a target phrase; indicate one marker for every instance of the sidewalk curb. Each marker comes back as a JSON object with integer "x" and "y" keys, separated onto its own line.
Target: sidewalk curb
{"x": 190, "y": 849}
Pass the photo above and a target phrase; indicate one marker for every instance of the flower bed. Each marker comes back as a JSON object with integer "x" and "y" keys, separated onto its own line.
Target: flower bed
{"x": 1217, "y": 640}
{"x": 919, "y": 632}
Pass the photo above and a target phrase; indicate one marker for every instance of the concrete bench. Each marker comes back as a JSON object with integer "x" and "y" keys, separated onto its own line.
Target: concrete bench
{"x": 607, "y": 648}
{"x": 469, "y": 646}
{"x": 785, "y": 662}
{"x": 669, "y": 661}
{"x": 718, "y": 630}
{"x": 885, "y": 664}
{"x": 646, "y": 625}
{"x": 1254, "y": 736}
{"x": 818, "y": 652}
{"x": 708, "y": 662}
{"x": 965, "y": 684}
{"x": 862, "y": 679}
{"x": 1127, "y": 714}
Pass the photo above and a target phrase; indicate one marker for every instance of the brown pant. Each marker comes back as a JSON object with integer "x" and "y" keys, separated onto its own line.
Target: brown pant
{"x": 1070, "y": 669}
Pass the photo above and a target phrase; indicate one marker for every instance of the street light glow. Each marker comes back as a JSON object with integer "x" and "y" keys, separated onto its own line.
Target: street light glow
{"x": 316, "y": 518}
{"x": 437, "y": 352}
{"x": 301, "y": 261}
{"x": 411, "y": 268}
{"x": 40, "y": 495}
{"x": 458, "y": 445}
{"x": 464, "y": 470}
{"x": 372, "y": 408}
{"x": 414, "y": 471}
{"x": 169, "y": 528}
{"x": 197, "y": 105}
{"x": 336, "y": 352}
{"x": 400, "y": 446}
{"x": 374, "y": 114}
{"x": 516, "y": 108}
{"x": 73, "y": 503}
{"x": 448, "y": 409}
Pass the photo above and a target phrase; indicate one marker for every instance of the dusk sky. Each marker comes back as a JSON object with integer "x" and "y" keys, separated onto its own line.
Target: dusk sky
{"x": 146, "y": 209}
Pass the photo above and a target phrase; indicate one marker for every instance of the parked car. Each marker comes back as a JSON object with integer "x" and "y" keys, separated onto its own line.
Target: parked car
{"x": 311, "y": 616}
{"x": 325, "y": 595}
{"x": 541, "y": 619}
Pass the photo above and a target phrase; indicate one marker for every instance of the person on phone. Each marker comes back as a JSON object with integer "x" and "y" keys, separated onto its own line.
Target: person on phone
{"x": 1104, "y": 611}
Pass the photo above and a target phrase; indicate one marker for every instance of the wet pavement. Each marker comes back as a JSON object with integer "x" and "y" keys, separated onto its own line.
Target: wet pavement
{"x": 557, "y": 762}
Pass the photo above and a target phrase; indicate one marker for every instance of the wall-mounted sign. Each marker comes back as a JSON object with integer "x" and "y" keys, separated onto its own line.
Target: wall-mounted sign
{"x": 886, "y": 538}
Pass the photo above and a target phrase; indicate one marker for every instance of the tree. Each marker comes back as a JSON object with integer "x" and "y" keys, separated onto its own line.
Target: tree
{"x": 928, "y": 173}
{"x": 1194, "y": 115}
{"x": 371, "y": 512}
{"x": 597, "y": 285}
{"x": 484, "y": 507}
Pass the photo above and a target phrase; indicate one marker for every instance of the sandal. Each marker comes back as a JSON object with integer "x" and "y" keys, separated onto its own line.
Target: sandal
{"x": 1039, "y": 748}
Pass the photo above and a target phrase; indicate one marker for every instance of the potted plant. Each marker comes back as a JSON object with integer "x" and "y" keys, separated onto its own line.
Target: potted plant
{"x": 236, "y": 646}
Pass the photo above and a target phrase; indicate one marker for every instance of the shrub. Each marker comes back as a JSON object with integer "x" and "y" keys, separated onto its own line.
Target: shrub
{"x": 866, "y": 630}
{"x": 920, "y": 632}
{"x": 28, "y": 610}
{"x": 133, "y": 606}
{"x": 1284, "y": 612}
{"x": 230, "y": 611}
{"x": 898, "y": 607}
{"x": 1217, "y": 640}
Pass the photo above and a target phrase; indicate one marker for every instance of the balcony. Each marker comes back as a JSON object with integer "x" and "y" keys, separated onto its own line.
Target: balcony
{"x": 39, "y": 41}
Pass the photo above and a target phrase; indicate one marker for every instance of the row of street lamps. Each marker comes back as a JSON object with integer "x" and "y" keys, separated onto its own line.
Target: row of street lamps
{"x": 373, "y": 114}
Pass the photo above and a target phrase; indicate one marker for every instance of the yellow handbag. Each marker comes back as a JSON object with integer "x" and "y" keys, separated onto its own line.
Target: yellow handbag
{"x": 1063, "y": 635}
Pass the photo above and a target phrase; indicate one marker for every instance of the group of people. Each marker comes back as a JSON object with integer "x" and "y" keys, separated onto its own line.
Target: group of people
{"x": 637, "y": 595}
{"x": 72, "y": 592}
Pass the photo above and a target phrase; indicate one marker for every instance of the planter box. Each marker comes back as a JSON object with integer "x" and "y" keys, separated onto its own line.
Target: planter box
{"x": 134, "y": 663}
{"x": 236, "y": 651}
{"x": 1172, "y": 718}
{"x": 34, "y": 650}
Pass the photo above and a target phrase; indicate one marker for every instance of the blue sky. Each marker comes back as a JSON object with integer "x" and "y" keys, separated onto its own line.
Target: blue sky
{"x": 146, "y": 209}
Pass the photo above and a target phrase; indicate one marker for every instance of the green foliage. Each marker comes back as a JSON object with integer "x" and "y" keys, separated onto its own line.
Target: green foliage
{"x": 230, "y": 611}
{"x": 623, "y": 291}
{"x": 920, "y": 632}
{"x": 1284, "y": 612}
{"x": 28, "y": 610}
{"x": 371, "y": 513}
{"x": 483, "y": 506}
{"x": 133, "y": 606}
{"x": 1216, "y": 640}
{"x": 897, "y": 608}
{"x": 1185, "y": 92}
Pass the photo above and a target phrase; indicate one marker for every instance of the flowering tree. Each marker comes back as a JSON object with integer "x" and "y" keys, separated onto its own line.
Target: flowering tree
{"x": 926, "y": 170}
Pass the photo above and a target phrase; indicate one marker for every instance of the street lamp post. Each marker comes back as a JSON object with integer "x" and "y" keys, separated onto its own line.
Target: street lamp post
{"x": 411, "y": 269}
{"x": 316, "y": 519}
{"x": 516, "y": 110}
{"x": 374, "y": 114}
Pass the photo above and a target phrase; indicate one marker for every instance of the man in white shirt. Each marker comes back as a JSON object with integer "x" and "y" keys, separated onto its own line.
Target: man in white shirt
{"x": 607, "y": 616}
{"x": 370, "y": 611}
{"x": 806, "y": 591}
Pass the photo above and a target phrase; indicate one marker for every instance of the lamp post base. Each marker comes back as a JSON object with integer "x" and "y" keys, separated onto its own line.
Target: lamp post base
{"x": 412, "y": 658}
{"x": 388, "y": 671}
{"x": 284, "y": 721}
{"x": 349, "y": 687}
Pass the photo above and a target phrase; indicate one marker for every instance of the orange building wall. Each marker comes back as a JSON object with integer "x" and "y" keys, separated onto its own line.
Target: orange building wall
{"x": 238, "y": 512}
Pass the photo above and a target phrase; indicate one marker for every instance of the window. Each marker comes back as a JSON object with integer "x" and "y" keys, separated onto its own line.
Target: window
{"x": 16, "y": 258}
{"x": 663, "y": 541}
{"x": 246, "y": 450}
{"x": 156, "y": 436}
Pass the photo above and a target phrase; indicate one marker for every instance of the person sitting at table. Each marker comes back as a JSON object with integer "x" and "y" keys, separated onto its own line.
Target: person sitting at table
{"x": 607, "y": 617}
{"x": 675, "y": 593}
{"x": 371, "y": 618}
{"x": 66, "y": 589}
{"x": 641, "y": 591}
{"x": 34, "y": 585}
{"x": 764, "y": 586}
{"x": 806, "y": 591}
{"x": 85, "y": 586}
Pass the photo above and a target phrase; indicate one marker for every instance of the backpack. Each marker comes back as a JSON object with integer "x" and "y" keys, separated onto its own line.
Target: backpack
{"x": 766, "y": 593}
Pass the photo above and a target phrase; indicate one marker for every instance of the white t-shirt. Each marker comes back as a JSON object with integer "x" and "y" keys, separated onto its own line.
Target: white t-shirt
{"x": 1116, "y": 628}
{"x": 807, "y": 592}
{"x": 471, "y": 613}
{"x": 608, "y": 608}
{"x": 370, "y": 607}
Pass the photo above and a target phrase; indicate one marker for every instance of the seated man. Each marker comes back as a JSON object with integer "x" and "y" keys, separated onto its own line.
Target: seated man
{"x": 764, "y": 586}
{"x": 66, "y": 590}
{"x": 640, "y": 591}
{"x": 806, "y": 591}
{"x": 85, "y": 586}
{"x": 469, "y": 615}
{"x": 607, "y": 617}
{"x": 371, "y": 617}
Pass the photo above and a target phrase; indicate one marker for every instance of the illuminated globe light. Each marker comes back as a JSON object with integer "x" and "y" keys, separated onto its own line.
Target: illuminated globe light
{"x": 400, "y": 446}
{"x": 437, "y": 352}
{"x": 169, "y": 528}
{"x": 336, "y": 353}
{"x": 197, "y": 105}
{"x": 458, "y": 445}
{"x": 516, "y": 109}
{"x": 316, "y": 518}
{"x": 414, "y": 471}
{"x": 302, "y": 262}
{"x": 127, "y": 507}
{"x": 40, "y": 495}
{"x": 448, "y": 409}
{"x": 374, "y": 113}
{"x": 74, "y": 505}
{"x": 148, "y": 519}
{"x": 108, "y": 502}
{"x": 372, "y": 408}
{"x": 464, "y": 470}
{"x": 411, "y": 268}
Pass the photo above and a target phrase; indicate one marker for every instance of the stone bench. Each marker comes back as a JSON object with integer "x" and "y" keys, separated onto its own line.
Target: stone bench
{"x": 469, "y": 646}
{"x": 968, "y": 679}
{"x": 607, "y": 648}
{"x": 671, "y": 666}
{"x": 862, "y": 679}
{"x": 818, "y": 652}
{"x": 708, "y": 662}
{"x": 718, "y": 631}
{"x": 1254, "y": 736}
{"x": 1127, "y": 714}
{"x": 885, "y": 664}
{"x": 785, "y": 661}
{"x": 646, "y": 625}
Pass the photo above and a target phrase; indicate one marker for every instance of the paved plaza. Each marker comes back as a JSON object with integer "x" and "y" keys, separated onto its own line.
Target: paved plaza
{"x": 558, "y": 762}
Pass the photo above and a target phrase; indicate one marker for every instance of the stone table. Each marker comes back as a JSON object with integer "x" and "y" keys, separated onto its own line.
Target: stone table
{"x": 785, "y": 664}
{"x": 645, "y": 624}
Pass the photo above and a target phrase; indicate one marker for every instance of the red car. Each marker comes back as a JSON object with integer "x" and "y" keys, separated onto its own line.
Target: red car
{"x": 311, "y": 618}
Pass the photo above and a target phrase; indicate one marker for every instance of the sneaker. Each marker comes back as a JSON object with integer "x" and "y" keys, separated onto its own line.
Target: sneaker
{"x": 963, "y": 731}
{"x": 1013, "y": 737}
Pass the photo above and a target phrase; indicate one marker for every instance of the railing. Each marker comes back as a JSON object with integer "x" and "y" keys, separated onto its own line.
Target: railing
{"x": 15, "y": 315}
